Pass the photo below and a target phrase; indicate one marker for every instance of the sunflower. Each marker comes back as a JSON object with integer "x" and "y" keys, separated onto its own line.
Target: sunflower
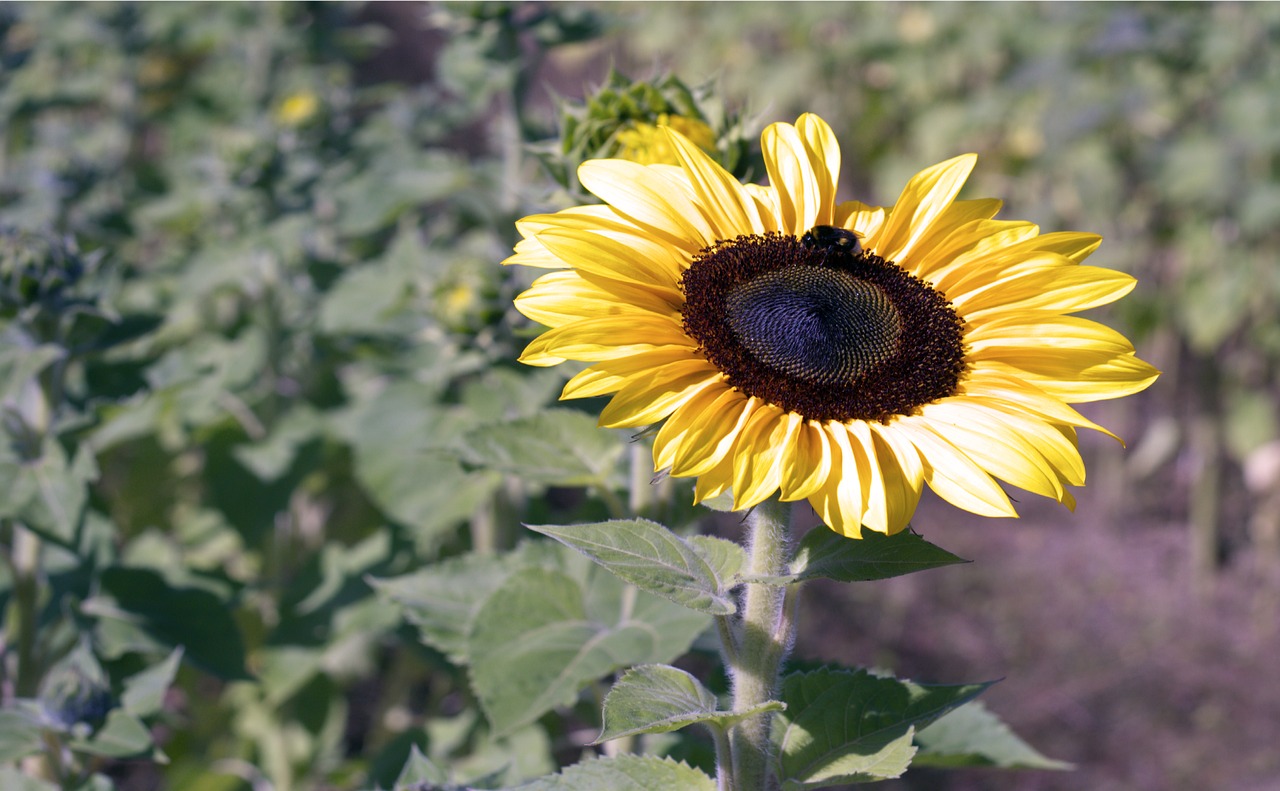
{"x": 838, "y": 353}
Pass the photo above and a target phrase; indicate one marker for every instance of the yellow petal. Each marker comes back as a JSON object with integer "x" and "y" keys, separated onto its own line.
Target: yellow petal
{"x": 850, "y": 484}
{"x": 806, "y": 462}
{"x": 791, "y": 175}
{"x": 707, "y": 437}
{"x": 1059, "y": 289}
{"x": 530, "y": 252}
{"x": 1082, "y": 376}
{"x": 951, "y": 473}
{"x": 649, "y": 198}
{"x": 995, "y": 448}
{"x": 643, "y": 401}
{"x": 823, "y": 152}
{"x": 756, "y": 468}
{"x": 875, "y": 514}
{"x": 975, "y": 249}
{"x": 1007, "y": 336}
{"x": 558, "y": 298}
{"x": 730, "y": 212}
{"x": 606, "y": 338}
{"x": 637, "y": 260}
{"x": 610, "y": 376}
{"x": 903, "y": 475}
{"x": 996, "y": 384}
{"x": 923, "y": 200}
{"x": 826, "y": 500}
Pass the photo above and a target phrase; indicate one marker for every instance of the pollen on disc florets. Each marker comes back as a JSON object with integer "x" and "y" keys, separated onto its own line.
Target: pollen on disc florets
{"x": 822, "y": 332}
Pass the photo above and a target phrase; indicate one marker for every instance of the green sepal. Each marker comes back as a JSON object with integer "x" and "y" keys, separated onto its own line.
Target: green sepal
{"x": 661, "y": 698}
{"x": 694, "y": 574}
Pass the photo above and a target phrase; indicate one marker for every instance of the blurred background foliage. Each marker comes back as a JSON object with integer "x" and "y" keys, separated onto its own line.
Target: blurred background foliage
{"x": 256, "y": 352}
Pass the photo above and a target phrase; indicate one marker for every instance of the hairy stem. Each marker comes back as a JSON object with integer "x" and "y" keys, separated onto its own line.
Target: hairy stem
{"x": 764, "y": 636}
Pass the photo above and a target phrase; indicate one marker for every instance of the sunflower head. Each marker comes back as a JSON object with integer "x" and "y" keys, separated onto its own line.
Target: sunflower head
{"x": 795, "y": 345}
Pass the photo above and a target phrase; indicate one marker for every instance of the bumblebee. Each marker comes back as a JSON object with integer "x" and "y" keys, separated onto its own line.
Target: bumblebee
{"x": 829, "y": 237}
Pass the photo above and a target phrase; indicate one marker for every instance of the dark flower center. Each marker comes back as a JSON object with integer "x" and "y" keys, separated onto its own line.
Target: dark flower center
{"x": 822, "y": 331}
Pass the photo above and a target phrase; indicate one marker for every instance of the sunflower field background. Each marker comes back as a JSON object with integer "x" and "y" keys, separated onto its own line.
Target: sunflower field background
{"x": 261, "y": 414}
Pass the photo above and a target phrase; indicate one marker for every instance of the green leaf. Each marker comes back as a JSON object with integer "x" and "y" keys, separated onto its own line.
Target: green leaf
{"x": 47, "y": 493}
{"x": 419, "y": 771}
{"x": 443, "y": 599}
{"x": 143, "y": 693}
{"x": 19, "y": 735}
{"x": 661, "y": 698}
{"x": 138, "y": 610}
{"x": 844, "y": 726}
{"x": 624, "y": 773}
{"x": 407, "y": 460}
{"x": 654, "y": 559}
{"x": 825, "y": 553}
{"x": 559, "y": 447}
{"x": 122, "y": 736}
{"x": 14, "y": 780}
{"x": 973, "y": 736}
{"x": 543, "y": 635}
{"x": 272, "y": 457}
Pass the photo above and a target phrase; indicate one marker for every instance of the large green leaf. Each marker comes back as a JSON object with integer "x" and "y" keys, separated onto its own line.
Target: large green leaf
{"x": 844, "y": 726}
{"x": 138, "y": 610}
{"x": 558, "y": 447}
{"x": 443, "y": 599}
{"x": 544, "y": 634}
{"x": 973, "y": 736}
{"x": 656, "y": 560}
{"x": 624, "y": 773}
{"x": 20, "y": 734}
{"x": 661, "y": 698}
{"x": 407, "y": 458}
{"x": 825, "y": 553}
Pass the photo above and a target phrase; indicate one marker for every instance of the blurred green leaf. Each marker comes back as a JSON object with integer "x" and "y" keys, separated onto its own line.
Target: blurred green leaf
{"x": 406, "y": 457}
{"x": 138, "y": 610}
{"x": 560, "y": 447}
{"x": 122, "y": 736}
{"x": 144, "y": 692}
{"x": 443, "y": 599}
{"x": 47, "y": 493}
{"x": 419, "y": 772}
{"x": 16, "y": 780}
{"x": 20, "y": 735}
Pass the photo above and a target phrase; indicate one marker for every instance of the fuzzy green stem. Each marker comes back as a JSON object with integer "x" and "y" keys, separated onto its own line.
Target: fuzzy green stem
{"x": 764, "y": 636}
{"x": 724, "y": 759}
{"x": 25, "y": 608}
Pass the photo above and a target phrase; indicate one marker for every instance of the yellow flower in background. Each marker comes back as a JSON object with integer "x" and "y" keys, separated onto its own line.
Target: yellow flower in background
{"x": 648, "y": 144}
{"x": 297, "y": 108}
{"x": 838, "y": 353}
